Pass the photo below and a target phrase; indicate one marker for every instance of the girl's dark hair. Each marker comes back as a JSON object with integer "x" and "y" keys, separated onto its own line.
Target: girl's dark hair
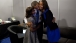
{"x": 29, "y": 12}
{"x": 45, "y": 4}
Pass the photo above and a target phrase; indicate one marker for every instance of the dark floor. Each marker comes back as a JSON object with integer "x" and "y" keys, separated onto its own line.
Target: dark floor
{"x": 44, "y": 41}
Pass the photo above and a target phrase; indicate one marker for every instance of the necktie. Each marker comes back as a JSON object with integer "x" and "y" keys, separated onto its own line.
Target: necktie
{"x": 37, "y": 16}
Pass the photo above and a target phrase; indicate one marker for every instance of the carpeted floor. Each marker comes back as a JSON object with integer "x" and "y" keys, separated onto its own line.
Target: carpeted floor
{"x": 6, "y": 40}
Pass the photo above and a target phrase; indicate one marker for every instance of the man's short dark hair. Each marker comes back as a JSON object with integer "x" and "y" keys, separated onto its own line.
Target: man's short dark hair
{"x": 34, "y": 3}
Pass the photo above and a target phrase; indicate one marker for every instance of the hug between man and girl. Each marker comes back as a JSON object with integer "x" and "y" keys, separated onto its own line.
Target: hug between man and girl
{"x": 36, "y": 15}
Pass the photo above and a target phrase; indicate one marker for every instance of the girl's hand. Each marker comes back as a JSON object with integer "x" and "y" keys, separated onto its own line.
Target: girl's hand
{"x": 53, "y": 20}
{"x": 30, "y": 25}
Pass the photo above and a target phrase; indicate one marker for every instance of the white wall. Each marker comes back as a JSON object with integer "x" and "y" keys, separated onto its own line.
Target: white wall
{"x": 67, "y": 13}
{"x": 6, "y": 9}
{"x": 18, "y": 9}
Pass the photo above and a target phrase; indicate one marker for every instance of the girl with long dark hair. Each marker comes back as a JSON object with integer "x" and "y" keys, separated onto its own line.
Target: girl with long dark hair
{"x": 31, "y": 33}
{"x": 53, "y": 33}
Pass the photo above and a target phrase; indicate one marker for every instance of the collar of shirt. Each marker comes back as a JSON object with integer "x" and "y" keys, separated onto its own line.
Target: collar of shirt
{"x": 35, "y": 12}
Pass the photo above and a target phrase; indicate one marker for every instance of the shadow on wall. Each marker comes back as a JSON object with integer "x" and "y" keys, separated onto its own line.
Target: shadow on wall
{"x": 75, "y": 25}
{"x": 62, "y": 23}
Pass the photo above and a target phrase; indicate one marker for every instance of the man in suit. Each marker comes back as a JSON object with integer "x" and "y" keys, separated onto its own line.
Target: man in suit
{"x": 39, "y": 21}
